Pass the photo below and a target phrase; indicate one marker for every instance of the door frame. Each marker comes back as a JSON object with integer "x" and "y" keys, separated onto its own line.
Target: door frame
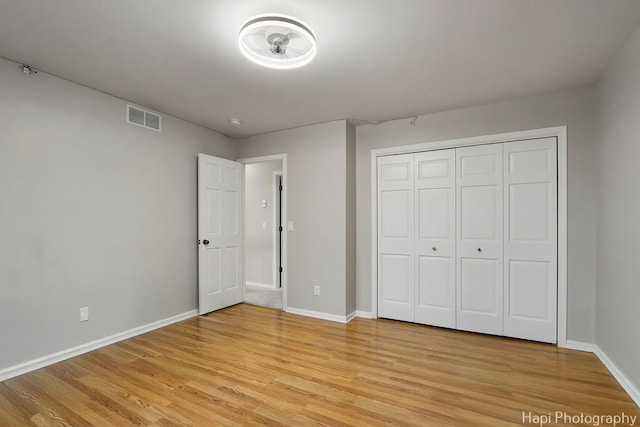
{"x": 261, "y": 159}
{"x": 277, "y": 235}
{"x": 559, "y": 132}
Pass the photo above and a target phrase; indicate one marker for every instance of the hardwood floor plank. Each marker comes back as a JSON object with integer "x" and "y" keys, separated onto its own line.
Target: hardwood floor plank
{"x": 248, "y": 365}
{"x": 14, "y": 408}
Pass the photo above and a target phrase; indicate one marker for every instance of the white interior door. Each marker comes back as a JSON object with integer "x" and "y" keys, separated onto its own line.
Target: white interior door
{"x": 479, "y": 231}
{"x": 435, "y": 238}
{"x": 531, "y": 239}
{"x": 220, "y": 252}
{"x": 396, "y": 237}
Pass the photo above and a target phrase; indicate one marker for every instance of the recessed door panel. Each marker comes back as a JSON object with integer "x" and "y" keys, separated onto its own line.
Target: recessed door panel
{"x": 395, "y": 273}
{"x": 434, "y": 278}
{"x": 232, "y": 208}
{"x": 478, "y": 163}
{"x": 395, "y": 172}
{"x": 478, "y": 206}
{"x": 211, "y": 175}
{"x": 212, "y": 260}
{"x": 436, "y": 168}
{"x": 395, "y": 208}
{"x": 529, "y": 212}
{"x": 436, "y": 292}
{"x": 230, "y": 178}
{"x": 530, "y": 160}
{"x": 529, "y": 286}
{"x": 434, "y": 214}
{"x": 478, "y": 291}
{"x": 396, "y": 290}
{"x": 213, "y": 210}
{"x": 231, "y": 267}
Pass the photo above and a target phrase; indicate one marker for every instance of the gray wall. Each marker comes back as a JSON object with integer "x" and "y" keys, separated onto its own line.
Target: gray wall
{"x": 316, "y": 203}
{"x": 93, "y": 212}
{"x": 618, "y": 288}
{"x": 574, "y": 109}
{"x": 258, "y": 250}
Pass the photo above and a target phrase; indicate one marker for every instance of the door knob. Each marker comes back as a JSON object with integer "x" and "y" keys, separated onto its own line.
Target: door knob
{"x": 206, "y": 242}
{"x": 479, "y": 249}
{"x": 434, "y": 248}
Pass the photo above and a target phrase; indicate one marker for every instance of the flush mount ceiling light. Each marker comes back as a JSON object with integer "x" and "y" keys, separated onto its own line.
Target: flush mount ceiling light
{"x": 277, "y": 41}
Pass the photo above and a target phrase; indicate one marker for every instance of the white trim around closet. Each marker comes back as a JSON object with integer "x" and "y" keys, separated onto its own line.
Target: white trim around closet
{"x": 559, "y": 132}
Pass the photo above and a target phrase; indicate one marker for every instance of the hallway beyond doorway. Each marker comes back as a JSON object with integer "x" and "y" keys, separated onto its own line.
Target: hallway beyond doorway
{"x": 263, "y": 296}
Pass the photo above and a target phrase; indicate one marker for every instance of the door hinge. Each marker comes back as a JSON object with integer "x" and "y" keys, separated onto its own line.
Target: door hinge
{"x": 280, "y": 269}
{"x": 280, "y": 187}
{"x": 280, "y": 228}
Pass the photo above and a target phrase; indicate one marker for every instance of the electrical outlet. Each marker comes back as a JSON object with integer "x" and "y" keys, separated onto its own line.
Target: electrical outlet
{"x": 84, "y": 314}
{"x": 316, "y": 290}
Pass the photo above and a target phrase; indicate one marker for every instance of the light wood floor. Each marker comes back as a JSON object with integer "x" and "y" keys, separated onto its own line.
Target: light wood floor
{"x": 248, "y": 365}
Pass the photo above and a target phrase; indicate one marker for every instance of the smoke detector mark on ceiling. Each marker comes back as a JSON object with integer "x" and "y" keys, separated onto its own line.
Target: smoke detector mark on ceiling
{"x": 146, "y": 119}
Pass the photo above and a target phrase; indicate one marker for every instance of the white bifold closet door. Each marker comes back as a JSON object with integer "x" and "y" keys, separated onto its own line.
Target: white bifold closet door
{"x": 396, "y": 288}
{"x": 531, "y": 239}
{"x": 467, "y": 238}
{"x": 435, "y": 242}
{"x": 479, "y": 251}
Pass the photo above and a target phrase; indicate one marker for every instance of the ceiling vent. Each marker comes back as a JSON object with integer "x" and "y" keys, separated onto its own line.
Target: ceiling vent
{"x": 146, "y": 119}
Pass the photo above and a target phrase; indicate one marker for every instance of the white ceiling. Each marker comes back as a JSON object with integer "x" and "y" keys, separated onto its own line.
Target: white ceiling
{"x": 377, "y": 59}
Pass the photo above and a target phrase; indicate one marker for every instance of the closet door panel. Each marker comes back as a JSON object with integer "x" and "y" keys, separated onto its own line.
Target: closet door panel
{"x": 434, "y": 210}
{"x": 479, "y": 219}
{"x": 530, "y": 211}
{"x": 478, "y": 292}
{"x": 435, "y": 238}
{"x": 396, "y": 235}
{"x": 434, "y": 276}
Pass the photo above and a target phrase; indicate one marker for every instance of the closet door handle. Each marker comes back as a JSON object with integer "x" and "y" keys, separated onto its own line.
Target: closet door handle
{"x": 434, "y": 248}
{"x": 479, "y": 249}
{"x": 206, "y": 242}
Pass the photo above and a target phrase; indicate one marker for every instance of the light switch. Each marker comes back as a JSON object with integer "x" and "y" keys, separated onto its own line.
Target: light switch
{"x": 290, "y": 225}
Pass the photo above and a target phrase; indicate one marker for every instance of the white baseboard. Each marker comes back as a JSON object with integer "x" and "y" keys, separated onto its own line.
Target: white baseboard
{"x": 260, "y": 285}
{"x": 41, "y": 362}
{"x": 365, "y": 314}
{"x": 580, "y": 346}
{"x": 624, "y": 382}
{"x": 317, "y": 315}
{"x": 351, "y": 316}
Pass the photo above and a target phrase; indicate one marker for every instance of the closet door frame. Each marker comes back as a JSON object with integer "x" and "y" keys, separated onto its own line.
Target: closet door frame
{"x": 559, "y": 132}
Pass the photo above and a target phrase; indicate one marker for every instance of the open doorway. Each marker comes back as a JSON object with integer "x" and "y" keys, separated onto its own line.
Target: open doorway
{"x": 265, "y": 242}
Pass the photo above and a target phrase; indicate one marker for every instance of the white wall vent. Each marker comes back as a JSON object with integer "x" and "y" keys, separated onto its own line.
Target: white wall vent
{"x": 139, "y": 117}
